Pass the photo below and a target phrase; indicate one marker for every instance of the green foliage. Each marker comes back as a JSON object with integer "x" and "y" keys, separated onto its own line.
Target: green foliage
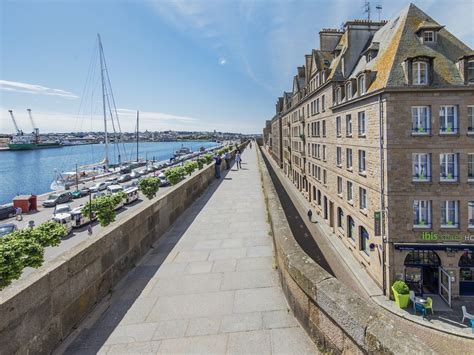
{"x": 200, "y": 162}
{"x": 175, "y": 175}
{"x": 190, "y": 166}
{"x": 149, "y": 186}
{"x": 208, "y": 158}
{"x": 25, "y": 248}
{"x": 401, "y": 287}
{"x": 104, "y": 207}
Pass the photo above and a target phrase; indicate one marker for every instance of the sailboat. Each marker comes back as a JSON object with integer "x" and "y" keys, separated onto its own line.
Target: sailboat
{"x": 64, "y": 180}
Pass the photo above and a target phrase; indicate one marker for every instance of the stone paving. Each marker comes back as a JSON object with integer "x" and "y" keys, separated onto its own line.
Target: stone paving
{"x": 208, "y": 287}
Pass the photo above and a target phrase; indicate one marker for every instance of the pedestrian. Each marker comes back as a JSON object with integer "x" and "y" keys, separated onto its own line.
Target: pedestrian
{"x": 238, "y": 159}
{"x": 18, "y": 212}
{"x": 218, "y": 160}
{"x": 89, "y": 229}
{"x": 310, "y": 215}
{"x": 227, "y": 160}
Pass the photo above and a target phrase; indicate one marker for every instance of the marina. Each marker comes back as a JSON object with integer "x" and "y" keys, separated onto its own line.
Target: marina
{"x": 31, "y": 171}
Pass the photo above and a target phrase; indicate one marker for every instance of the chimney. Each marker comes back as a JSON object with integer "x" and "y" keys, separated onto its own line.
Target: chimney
{"x": 329, "y": 38}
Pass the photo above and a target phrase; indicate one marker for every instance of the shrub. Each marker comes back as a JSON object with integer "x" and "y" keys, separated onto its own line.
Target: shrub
{"x": 208, "y": 158}
{"x": 401, "y": 287}
{"x": 175, "y": 175}
{"x": 149, "y": 186}
{"x": 104, "y": 208}
{"x": 49, "y": 233}
{"x": 200, "y": 162}
{"x": 190, "y": 166}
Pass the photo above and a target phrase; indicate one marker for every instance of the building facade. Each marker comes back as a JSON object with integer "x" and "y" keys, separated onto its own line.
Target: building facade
{"x": 378, "y": 135}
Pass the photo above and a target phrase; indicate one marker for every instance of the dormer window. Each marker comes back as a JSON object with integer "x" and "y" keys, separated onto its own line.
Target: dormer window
{"x": 349, "y": 90}
{"x": 324, "y": 76}
{"x": 470, "y": 71}
{"x": 420, "y": 73}
{"x": 369, "y": 57}
{"x": 428, "y": 36}
{"x": 361, "y": 85}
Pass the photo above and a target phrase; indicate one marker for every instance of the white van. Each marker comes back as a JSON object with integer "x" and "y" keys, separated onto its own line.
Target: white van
{"x": 113, "y": 189}
{"x": 78, "y": 218}
{"x": 131, "y": 194}
{"x": 65, "y": 219}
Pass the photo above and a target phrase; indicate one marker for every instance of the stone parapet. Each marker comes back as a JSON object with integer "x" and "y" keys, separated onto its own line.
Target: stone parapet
{"x": 39, "y": 311}
{"x": 337, "y": 319}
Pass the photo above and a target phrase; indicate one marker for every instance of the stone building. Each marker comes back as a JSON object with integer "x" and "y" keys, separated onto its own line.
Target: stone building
{"x": 378, "y": 135}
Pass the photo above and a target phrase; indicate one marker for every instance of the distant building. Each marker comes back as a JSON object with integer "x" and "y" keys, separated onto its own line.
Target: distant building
{"x": 378, "y": 135}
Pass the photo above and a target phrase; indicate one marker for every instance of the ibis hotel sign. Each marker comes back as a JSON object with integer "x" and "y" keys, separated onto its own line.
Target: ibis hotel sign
{"x": 431, "y": 236}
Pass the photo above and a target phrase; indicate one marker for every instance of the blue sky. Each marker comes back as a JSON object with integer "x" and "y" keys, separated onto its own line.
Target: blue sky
{"x": 186, "y": 65}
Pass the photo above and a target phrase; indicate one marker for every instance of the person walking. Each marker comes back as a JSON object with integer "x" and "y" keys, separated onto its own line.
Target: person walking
{"x": 89, "y": 229}
{"x": 218, "y": 160}
{"x": 238, "y": 160}
{"x": 310, "y": 215}
{"x": 227, "y": 160}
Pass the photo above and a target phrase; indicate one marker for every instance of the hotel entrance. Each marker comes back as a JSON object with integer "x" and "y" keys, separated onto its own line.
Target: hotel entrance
{"x": 422, "y": 271}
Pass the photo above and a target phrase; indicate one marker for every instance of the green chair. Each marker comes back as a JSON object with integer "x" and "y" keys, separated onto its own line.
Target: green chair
{"x": 429, "y": 304}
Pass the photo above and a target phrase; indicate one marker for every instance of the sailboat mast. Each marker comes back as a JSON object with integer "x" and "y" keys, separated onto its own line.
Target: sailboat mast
{"x": 138, "y": 130}
{"x": 101, "y": 55}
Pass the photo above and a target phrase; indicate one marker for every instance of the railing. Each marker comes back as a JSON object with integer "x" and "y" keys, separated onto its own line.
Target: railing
{"x": 421, "y": 178}
{"x": 448, "y": 130}
{"x": 448, "y": 177}
{"x": 416, "y": 130}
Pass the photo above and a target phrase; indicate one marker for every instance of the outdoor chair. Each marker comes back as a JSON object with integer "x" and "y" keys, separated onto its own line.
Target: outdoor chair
{"x": 466, "y": 315}
{"x": 429, "y": 305}
{"x": 420, "y": 308}
{"x": 412, "y": 299}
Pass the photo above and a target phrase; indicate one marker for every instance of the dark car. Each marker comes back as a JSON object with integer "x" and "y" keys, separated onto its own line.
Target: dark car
{"x": 7, "y": 229}
{"x": 124, "y": 178}
{"x": 55, "y": 199}
{"x": 7, "y": 211}
{"x": 125, "y": 170}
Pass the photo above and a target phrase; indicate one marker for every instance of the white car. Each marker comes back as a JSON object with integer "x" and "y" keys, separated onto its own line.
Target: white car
{"x": 98, "y": 187}
{"x": 63, "y": 208}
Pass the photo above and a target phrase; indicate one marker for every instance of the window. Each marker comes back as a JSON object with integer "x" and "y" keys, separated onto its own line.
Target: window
{"x": 361, "y": 85}
{"x": 420, "y": 73}
{"x": 319, "y": 197}
{"x": 324, "y": 128}
{"x": 428, "y": 36}
{"x": 470, "y": 213}
{"x": 470, "y": 167}
{"x": 348, "y": 125}
{"x": 349, "y": 90}
{"x": 422, "y": 214}
{"x": 350, "y": 227}
{"x": 323, "y": 103}
{"x": 362, "y": 161}
{"x": 324, "y": 176}
{"x": 421, "y": 120}
{"x": 448, "y": 120}
{"x": 448, "y": 167}
{"x": 349, "y": 158}
{"x": 361, "y": 121}
{"x": 470, "y": 71}
{"x": 421, "y": 167}
{"x": 324, "y": 153}
{"x": 317, "y": 129}
{"x": 338, "y": 126}
{"x": 364, "y": 240}
{"x": 470, "y": 119}
{"x": 339, "y": 185}
{"x": 449, "y": 214}
{"x": 317, "y": 105}
{"x": 362, "y": 198}
{"x": 349, "y": 191}
{"x": 339, "y": 156}
{"x": 340, "y": 218}
{"x": 339, "y": 95}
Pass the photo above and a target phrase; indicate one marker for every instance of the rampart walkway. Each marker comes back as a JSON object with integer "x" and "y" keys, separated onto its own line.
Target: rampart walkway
{"x": 209, "y": 286}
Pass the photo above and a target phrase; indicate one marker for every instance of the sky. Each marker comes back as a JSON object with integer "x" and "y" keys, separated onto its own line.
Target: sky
{"x": 185, "y": 64}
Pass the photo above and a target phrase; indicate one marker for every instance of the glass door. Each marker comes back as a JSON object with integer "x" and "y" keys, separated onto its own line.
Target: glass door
{"x": 445, "y": 285}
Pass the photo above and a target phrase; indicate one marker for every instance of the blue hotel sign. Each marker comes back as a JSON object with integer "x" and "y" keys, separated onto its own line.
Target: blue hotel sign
{"x": 431, "y": 236}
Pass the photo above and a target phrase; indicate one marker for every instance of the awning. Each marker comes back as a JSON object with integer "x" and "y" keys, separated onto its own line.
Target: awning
{"x": 438, "y": 246}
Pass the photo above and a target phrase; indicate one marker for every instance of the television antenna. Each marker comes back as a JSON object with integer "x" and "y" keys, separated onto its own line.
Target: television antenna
{"x": 367, "y": 9}
{"x": 379, "y": 10}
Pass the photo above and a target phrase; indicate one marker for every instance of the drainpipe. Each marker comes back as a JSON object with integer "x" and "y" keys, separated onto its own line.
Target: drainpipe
{"x": 382, "y": 194}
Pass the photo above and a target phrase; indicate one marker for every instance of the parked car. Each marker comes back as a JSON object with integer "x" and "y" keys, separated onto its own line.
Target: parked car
{"x": 63, "y": 208}
{"x": 163, "y": 180}
{"x": 143, "y": 172}
{"x": 135, "y": 175}
{"x": 111, "y": 181}
{"x": 125, "y": 170}
{"x": 150, "y": 169}
{"x": 100, "y": 186}
{"x": 56, "y": 199}
{"x": 7, "y": 229}
{"x": 76, "y": 194}
{"x": 98, "y": 194}
{"x": 7, "y": 211}
{"x": 124, "y": 178}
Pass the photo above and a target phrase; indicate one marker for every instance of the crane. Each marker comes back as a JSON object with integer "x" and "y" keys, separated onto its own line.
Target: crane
{"x": 18, "y": 131}
{"x": 35, "y": 129}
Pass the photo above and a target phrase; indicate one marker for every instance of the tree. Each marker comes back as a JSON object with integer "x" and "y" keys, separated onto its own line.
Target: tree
{"x": 175, "y": 175}
{"x": 190, "y": 166}
{"x": 49, "y": 233}
{"x": 149, "y": 186}
{"x": 104, "y": 208}
{"x": 200, "y": 162}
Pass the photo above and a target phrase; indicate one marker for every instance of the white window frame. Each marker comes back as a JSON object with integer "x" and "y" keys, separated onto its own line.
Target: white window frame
{"x": 428, "y": 39}
{"x": 470, "y": 167}
{"x": 364, "y": 243}
{"x": 348, "y": 125}
{"x": 362, "y": 198}
{"x": 361, "y": 85}
{"x": 422, "y": 208}
{"x": 470, "y": 120}
{"x": 446, "y": 206}
{"x": 470, "y": 75}
{"x": 444, "y": 159}
{"x": 349, "y": 90}
{"x": 420, "y": 67}
{"x": 338, "y": 126}
{"x": 339, "y": 186}
{"x": 361, "y": 123}
{"x": 444, "y": 119}
{"x": 417, "y": 160}
{"x": 350, "y": 195}
{"x": 421, "y": 120}
{"x": 339, "y": 156}
{"x": 349, "y": 158}
{"x": 470, "y": 214}
{"x": 362, "y": 161}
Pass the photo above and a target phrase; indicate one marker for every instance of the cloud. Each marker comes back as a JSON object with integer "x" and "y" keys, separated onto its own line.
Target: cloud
{"x": 222, "y": 61}
{"x": 35, "y": 89}
{"x": 153, "y": 117}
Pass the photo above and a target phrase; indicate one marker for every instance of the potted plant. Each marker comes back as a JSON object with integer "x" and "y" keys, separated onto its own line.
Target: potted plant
{"x": 401, "y": 293}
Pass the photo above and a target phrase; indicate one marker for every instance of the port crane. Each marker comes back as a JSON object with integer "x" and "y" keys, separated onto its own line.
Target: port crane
{"x": 18, "y": 130}
{"x": 35, "y": 129}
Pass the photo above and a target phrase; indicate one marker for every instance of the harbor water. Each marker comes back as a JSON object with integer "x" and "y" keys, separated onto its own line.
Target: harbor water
{"x": 31, "y": 172}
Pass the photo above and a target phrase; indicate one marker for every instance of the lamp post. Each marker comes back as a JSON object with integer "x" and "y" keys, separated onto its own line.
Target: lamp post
{"x": 89, "y": 229}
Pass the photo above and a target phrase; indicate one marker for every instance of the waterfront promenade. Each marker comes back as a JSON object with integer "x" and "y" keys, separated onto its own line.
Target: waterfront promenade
{"x": 209, "y": 285}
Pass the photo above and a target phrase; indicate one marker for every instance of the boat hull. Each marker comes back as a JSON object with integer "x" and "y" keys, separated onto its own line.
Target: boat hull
{"x": 31, "y": 146}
